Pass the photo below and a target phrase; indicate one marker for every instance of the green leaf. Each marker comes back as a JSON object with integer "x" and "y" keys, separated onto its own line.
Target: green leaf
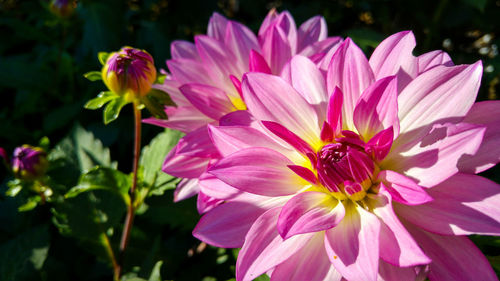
{"x": 113, "y": 109}
{"x": 478, "y": 4}
{"x": 103, "y": 57}
{"x": 101, "y": 100}
{"x": 93, "y": 75}
{"x": 154, "y": 107}
{"x": 30, "y": 204}
{"x": 153, "y": 156}
{"x": 44, "y": 143}
{"x": 104, "y": 179}
{"x": 79, "y": 152}
{"x": 24, "y": 253}
{"x": 155, "y": 274}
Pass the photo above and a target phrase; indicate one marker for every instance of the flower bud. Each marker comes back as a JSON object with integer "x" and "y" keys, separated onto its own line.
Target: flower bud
{"x": 62, "y": 8}
{"x": 29, "y": 162}
{"x": 129, "y": 72}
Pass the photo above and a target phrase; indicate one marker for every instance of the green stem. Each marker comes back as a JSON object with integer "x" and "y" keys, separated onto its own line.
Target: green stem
{"x": 111, "y": 254}
{"x": 129, "y": 220}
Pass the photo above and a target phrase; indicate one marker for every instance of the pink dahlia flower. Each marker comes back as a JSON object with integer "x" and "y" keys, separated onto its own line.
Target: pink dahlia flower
{"x": 205, "y": 82}
{"x": 364, "y": 173}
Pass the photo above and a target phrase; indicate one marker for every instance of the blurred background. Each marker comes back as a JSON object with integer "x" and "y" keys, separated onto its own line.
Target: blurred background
{"x": 44, "y": 54}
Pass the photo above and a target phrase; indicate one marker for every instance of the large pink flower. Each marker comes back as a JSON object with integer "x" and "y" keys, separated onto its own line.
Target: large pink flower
{"x": 205, "y": 82}
{"x": 365, "y": 172}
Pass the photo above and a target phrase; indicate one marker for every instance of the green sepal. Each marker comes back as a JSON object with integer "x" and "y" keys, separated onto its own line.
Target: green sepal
{"x": 44, "y": 143}
{"x": 100, "y": 100}
{"x": 93, "y": 75}
{"x": 112, "y": 110}
{"x": 155, "y": 101}
{"x": 160, "y": 79}
{"x": 101, "y": 178}
{"x": 30, "y": 204}
{"x": 103, "y": 57}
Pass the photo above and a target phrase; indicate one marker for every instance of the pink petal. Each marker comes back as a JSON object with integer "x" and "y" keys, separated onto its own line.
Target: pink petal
{"x": 442, "y": 92}
{"x": 322, "y": 49}
{"x": 334, "y": 111}
{"x": 217, "y": 26}
{"x": 380, "y": 145}
{"x": 398, "y": 246}
{"x": 238, "y": 118}
{"x": 431, "y": 59}
{"x": 276, "y": 49}
{"x": 388, "y": 272}
{"x": 349, "y": 70}
{"x": 486, "y": 113}
{"x": 186, "y": 188}
{"x": 183, "y": 49}
{"x": 393, "y": 56}
{"x": 270, "y": 98}
{"x": 197, "y": 144}
{"x": 257, "y": 170}
{"x": 309, "y": 212}
{"x": 307, "y": 79}
{"x": 434, "y": 158}
{"x": 211, "y": 101}
{"x": 453, "y": 257}
{"x": 377, "y": 108}
{"x": 268, "y": 21}
{"x": 226, "y": 225}
{"x": 213, "y": 187}
{"x": 184, "y": 119}
{"x": 289, "y": 137}
{"x": 403, "y": 189}
{"x": 182, "y": 166}
{"x": 187, "y": 71}
{"x": 257, "y": 63}
{"x": 311, "y": 31}
{"x": 353, "y": 245}
{"x": 171, "y": 87}
{"x": 264, "y": 248}
{"x": 310, "y": 263}
{"x": 304, "y": 173}
{"x": 205, "y": 203}
{"x": 463, "y": 205}
{"x": 241, "y": 41}
{"x": 230, "y": 139}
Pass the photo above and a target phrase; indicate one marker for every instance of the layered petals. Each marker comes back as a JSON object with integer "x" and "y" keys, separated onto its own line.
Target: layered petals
{"x": 403, "y": 189}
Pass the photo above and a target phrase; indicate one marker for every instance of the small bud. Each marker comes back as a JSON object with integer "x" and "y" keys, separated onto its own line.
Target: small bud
{"x": 29, "y": 162}
{"x": 129, "y": 72}
{"x": 62, "y": 8}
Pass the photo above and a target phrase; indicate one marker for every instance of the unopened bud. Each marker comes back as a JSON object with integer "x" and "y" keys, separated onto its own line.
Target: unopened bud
{"x": 29, "y": 162}
{"x": 129, "y": 72}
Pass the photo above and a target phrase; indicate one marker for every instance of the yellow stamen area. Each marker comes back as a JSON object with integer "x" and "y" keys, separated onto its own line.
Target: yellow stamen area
{"x": 238, "y": 103}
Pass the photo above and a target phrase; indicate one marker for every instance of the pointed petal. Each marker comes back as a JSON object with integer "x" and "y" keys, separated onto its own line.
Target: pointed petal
{"x": 183, "y": 49}
{"x": 380, "y": 145}
{"x": 308, "y": 81}
{"x": 442, "y": 92}
{"x": 349, "y": 70}
{"x": 486, "y": 113}
{"x": 184, "y": 119}
{"x": 309, "y": 212}
{"x": 291, "y": 138}
{"x": 186, "y": 188}
{"x": 257, "y": 63}
{"x": 240, "y": 41}
{"x": 377, "y": 108}
{"x": 393, "y": 56}
{"x": 304, "y": 173}
{"x": 310, "y": 263}
{"x": 353, "y": 245}
{"x": 398, "y": 246}
{"x": 311, "y": 31}
{"x": 205, "y": 203}
{"x": 267, "y": 22}
{"x": 276, "y": 49}
{"x": 321, "y": 49}
{"x": 265, "y": 97}
{"x": 213, "y": 187}
{"x": 453, "y": 257}
{"x": 431, "y": 59}
{"x": 257, "y": 170}
{"x": 211, "y": 101}
{"x": 217, "y": 26}
{"x": 197, "y": 144}
{"x": 264, "y": 248}
{"x": 230, "y": 139}
{"x": 403, "y": 189}
{"x": 463, "y": 205}
{"x": 182, "y": 166}
{"x": 226, "y": 225}
{"x": 334, "y": 111}
{"x": 434, "y": 158}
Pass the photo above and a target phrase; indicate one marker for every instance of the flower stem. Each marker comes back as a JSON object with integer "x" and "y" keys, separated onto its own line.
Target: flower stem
{"x": 129, "y": 220}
